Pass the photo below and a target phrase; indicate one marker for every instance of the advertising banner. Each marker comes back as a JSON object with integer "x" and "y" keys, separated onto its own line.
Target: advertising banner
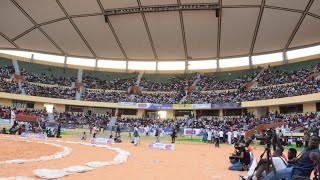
{"x": 161, "y": 146}
{"x": 193, "y": 132}
{"x": 5, "y": 121}
{"x": 127, "y": 104}
{"x": 33, "y": 135}
{"x": 226, "y": 106}
{"x": 201, "y": 106}
{"x": 102, "y": 141}
{"x": 161, "y": 106}
{"x": 153, "y": 106}
{"x": 143, "y": 105}
{"x": 152, "y": 131}
{"x": 182, "y": 106}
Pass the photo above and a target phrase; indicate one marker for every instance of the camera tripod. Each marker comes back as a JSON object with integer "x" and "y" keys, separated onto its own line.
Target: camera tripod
{"x": 269, "y": 162}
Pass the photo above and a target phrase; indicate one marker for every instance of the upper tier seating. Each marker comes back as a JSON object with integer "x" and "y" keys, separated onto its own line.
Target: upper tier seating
{"x": 227, "y": 80}
{"x": 166, "y": 82}
{"x": 289, "y": 73}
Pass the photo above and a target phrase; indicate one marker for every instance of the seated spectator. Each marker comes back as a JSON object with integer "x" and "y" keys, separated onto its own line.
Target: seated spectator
{"x": 84, "y": 136}
{"x": 302, "y": 166}
{"x": 4, "y": 131}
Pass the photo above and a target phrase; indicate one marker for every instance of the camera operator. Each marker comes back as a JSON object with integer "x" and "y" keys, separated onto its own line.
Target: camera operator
{"x": 302, "y": 166}
{"x": 241, "y": 158}
{"x": 277, "y": 161}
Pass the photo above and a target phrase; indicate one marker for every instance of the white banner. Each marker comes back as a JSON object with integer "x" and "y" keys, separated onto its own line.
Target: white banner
{"x": 34, "y": 135}
{"x": 161, "y": 146}
{"x": 102, "y": 141}
{"x": 201, "y": 106}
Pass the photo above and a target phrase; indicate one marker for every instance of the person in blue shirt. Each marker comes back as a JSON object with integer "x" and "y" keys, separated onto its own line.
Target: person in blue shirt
{"x": 302, "y": 166}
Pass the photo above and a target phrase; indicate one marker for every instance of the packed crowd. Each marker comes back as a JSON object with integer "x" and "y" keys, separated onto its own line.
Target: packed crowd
{"x": 6, "y": 72}
{"x": 174, "y": 84}
{"x": 274, "y": 77}
{"x": 104, "y": 96}
{"x": 44, "y": 79}
{"x": 287, "y": 84}
{"x": 9, "y": 87}
{"x": 209, "y": 82}
{"x": 197, "y": 97}
{"x": 301, "y": 88}
{"x": 117, "y": 84}
{"x": 49, "y": 91}
{"x": 5, "y": 112}
{"x": 73, "y": 119}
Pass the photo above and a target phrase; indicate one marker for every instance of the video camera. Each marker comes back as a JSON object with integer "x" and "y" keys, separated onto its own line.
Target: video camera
{"x": 268, "y": 136}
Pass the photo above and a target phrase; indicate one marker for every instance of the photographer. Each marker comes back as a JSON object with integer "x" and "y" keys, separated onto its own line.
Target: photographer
{"x": 302, "y": 166}
{"x": 242, "y": 158}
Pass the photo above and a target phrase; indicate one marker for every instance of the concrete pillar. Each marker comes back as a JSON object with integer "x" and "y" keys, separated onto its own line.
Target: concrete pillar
{"x": 80, "y": 74}
{"x": 285, "y": 57}
{"x": 250, "y": 62}
{"x": 220, "y": 112}
{"x": 16, "y": 66}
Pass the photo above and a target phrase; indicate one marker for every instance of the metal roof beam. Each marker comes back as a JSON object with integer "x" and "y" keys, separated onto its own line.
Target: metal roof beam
{"x": 257, "y": 27}
{"x": 298, "y": 25}
{"x": 9, "y": 40}
{"x": 76, "y": 28}
{"x": 148, "y": 31}
{"x": 183, "y": 33}
{"x": 37, "y": 25}
{"x": 112, "y": 29}
{"x": 219, "y": 29}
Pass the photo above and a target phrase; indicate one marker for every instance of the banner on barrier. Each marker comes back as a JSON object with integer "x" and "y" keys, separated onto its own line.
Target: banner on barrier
{"x": 161, "y": 146}
{"x": 201, "y": 106}
{"x": 102, "y": 141}
{"x": 182, "y": 106}
{"x": 127, "y": 104}
{"x": 225, "y": 105}
{"x": 33, "y": 135}
{"x": 153, "y": 106}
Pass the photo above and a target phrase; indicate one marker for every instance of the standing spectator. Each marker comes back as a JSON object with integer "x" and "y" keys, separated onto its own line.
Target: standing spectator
{"x": 173, "y": 136}
{"x": 135, "y": 135}
{"x": 157, "y": 135}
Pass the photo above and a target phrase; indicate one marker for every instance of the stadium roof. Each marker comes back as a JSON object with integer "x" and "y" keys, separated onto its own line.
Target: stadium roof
{"x": 156, "y": 30}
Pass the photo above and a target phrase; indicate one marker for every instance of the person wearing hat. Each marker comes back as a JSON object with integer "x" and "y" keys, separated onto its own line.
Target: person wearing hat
{"x": 244, "y": 158}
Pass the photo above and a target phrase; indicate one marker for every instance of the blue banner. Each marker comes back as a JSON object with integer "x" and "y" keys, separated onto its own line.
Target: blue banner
{"x": 154, "y": 106}
{"x": 226, "y": 106}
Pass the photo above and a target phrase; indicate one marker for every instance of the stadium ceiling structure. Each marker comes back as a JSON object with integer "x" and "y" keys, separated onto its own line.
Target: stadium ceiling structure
{"x": 159, "y": 30}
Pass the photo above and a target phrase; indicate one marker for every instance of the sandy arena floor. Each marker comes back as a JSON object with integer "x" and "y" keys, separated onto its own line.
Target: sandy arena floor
{"x": 190, "y": 161}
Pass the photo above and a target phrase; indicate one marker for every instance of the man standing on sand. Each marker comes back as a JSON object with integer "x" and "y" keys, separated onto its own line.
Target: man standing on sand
{"x": 136, "y": 136}
{"x": 173, "y": 136}
{"x": 157, "y": 135}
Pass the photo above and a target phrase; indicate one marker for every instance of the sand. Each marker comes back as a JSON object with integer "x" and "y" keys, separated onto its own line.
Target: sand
{"x": 189, "y": 161}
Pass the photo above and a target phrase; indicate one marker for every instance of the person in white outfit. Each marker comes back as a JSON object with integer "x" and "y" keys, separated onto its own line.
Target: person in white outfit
{"x": 209, "y": 136}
